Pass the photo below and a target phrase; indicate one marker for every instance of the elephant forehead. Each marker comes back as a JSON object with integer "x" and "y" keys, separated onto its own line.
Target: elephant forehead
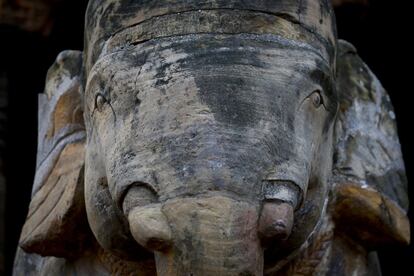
{"x": 237, "y": 86}
{"x": 240, "y": 79}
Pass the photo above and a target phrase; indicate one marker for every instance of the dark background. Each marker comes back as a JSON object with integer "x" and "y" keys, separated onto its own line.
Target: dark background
{"x": 380, "y": 31}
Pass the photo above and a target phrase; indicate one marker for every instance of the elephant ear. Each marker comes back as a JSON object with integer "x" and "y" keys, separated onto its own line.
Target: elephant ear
{"x": 56, "y": 223}
{"x": 370, "y": 185}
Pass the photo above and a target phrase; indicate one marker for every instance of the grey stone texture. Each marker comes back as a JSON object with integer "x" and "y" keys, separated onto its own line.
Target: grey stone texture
{"x": 213, "y": 138}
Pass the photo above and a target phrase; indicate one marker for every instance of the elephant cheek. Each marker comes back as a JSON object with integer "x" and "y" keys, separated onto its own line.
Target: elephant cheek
{"x": 211, "y": 236}
{"x": 109, "y": 225}
{"x": 107, "y": 222}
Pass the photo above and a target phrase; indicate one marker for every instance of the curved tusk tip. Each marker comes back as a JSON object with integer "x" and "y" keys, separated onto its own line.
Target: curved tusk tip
{"x": 276, "y": 220}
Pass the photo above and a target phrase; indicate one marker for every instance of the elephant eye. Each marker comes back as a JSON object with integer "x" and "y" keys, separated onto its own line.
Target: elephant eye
{"x": 316, "y": 98}
{"x": 100, "y": 101}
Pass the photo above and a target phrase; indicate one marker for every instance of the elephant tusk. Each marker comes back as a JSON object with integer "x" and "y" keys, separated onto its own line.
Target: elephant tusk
{"x": 150, "y": 228}
{"x": 276, "y": 221}
{"x": 277, "y": 215}
{"x": 148, "y": 225}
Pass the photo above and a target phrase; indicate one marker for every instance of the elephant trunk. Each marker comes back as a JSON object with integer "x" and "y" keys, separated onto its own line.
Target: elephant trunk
{"x": 216, "y": 235}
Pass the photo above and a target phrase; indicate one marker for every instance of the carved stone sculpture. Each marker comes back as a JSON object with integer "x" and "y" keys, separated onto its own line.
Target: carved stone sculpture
{"x": 213, "y": 137}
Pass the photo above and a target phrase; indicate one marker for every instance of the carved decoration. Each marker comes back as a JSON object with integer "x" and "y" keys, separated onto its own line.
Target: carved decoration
{"x": 213, "y": 138}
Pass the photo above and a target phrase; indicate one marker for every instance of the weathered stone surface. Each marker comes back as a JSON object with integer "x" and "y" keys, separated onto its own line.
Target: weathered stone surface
{"x": 369, "y": 171}
{"x": 382, "y": 222}
{"x": 106, "y": 18}
{"x": 368, "y": 153}
{"x": 222, "y": 138}
{"x": 58, "y": 187}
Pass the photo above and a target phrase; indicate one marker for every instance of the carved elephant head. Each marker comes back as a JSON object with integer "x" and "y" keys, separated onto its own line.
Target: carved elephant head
{"x": 222, "y": 135}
